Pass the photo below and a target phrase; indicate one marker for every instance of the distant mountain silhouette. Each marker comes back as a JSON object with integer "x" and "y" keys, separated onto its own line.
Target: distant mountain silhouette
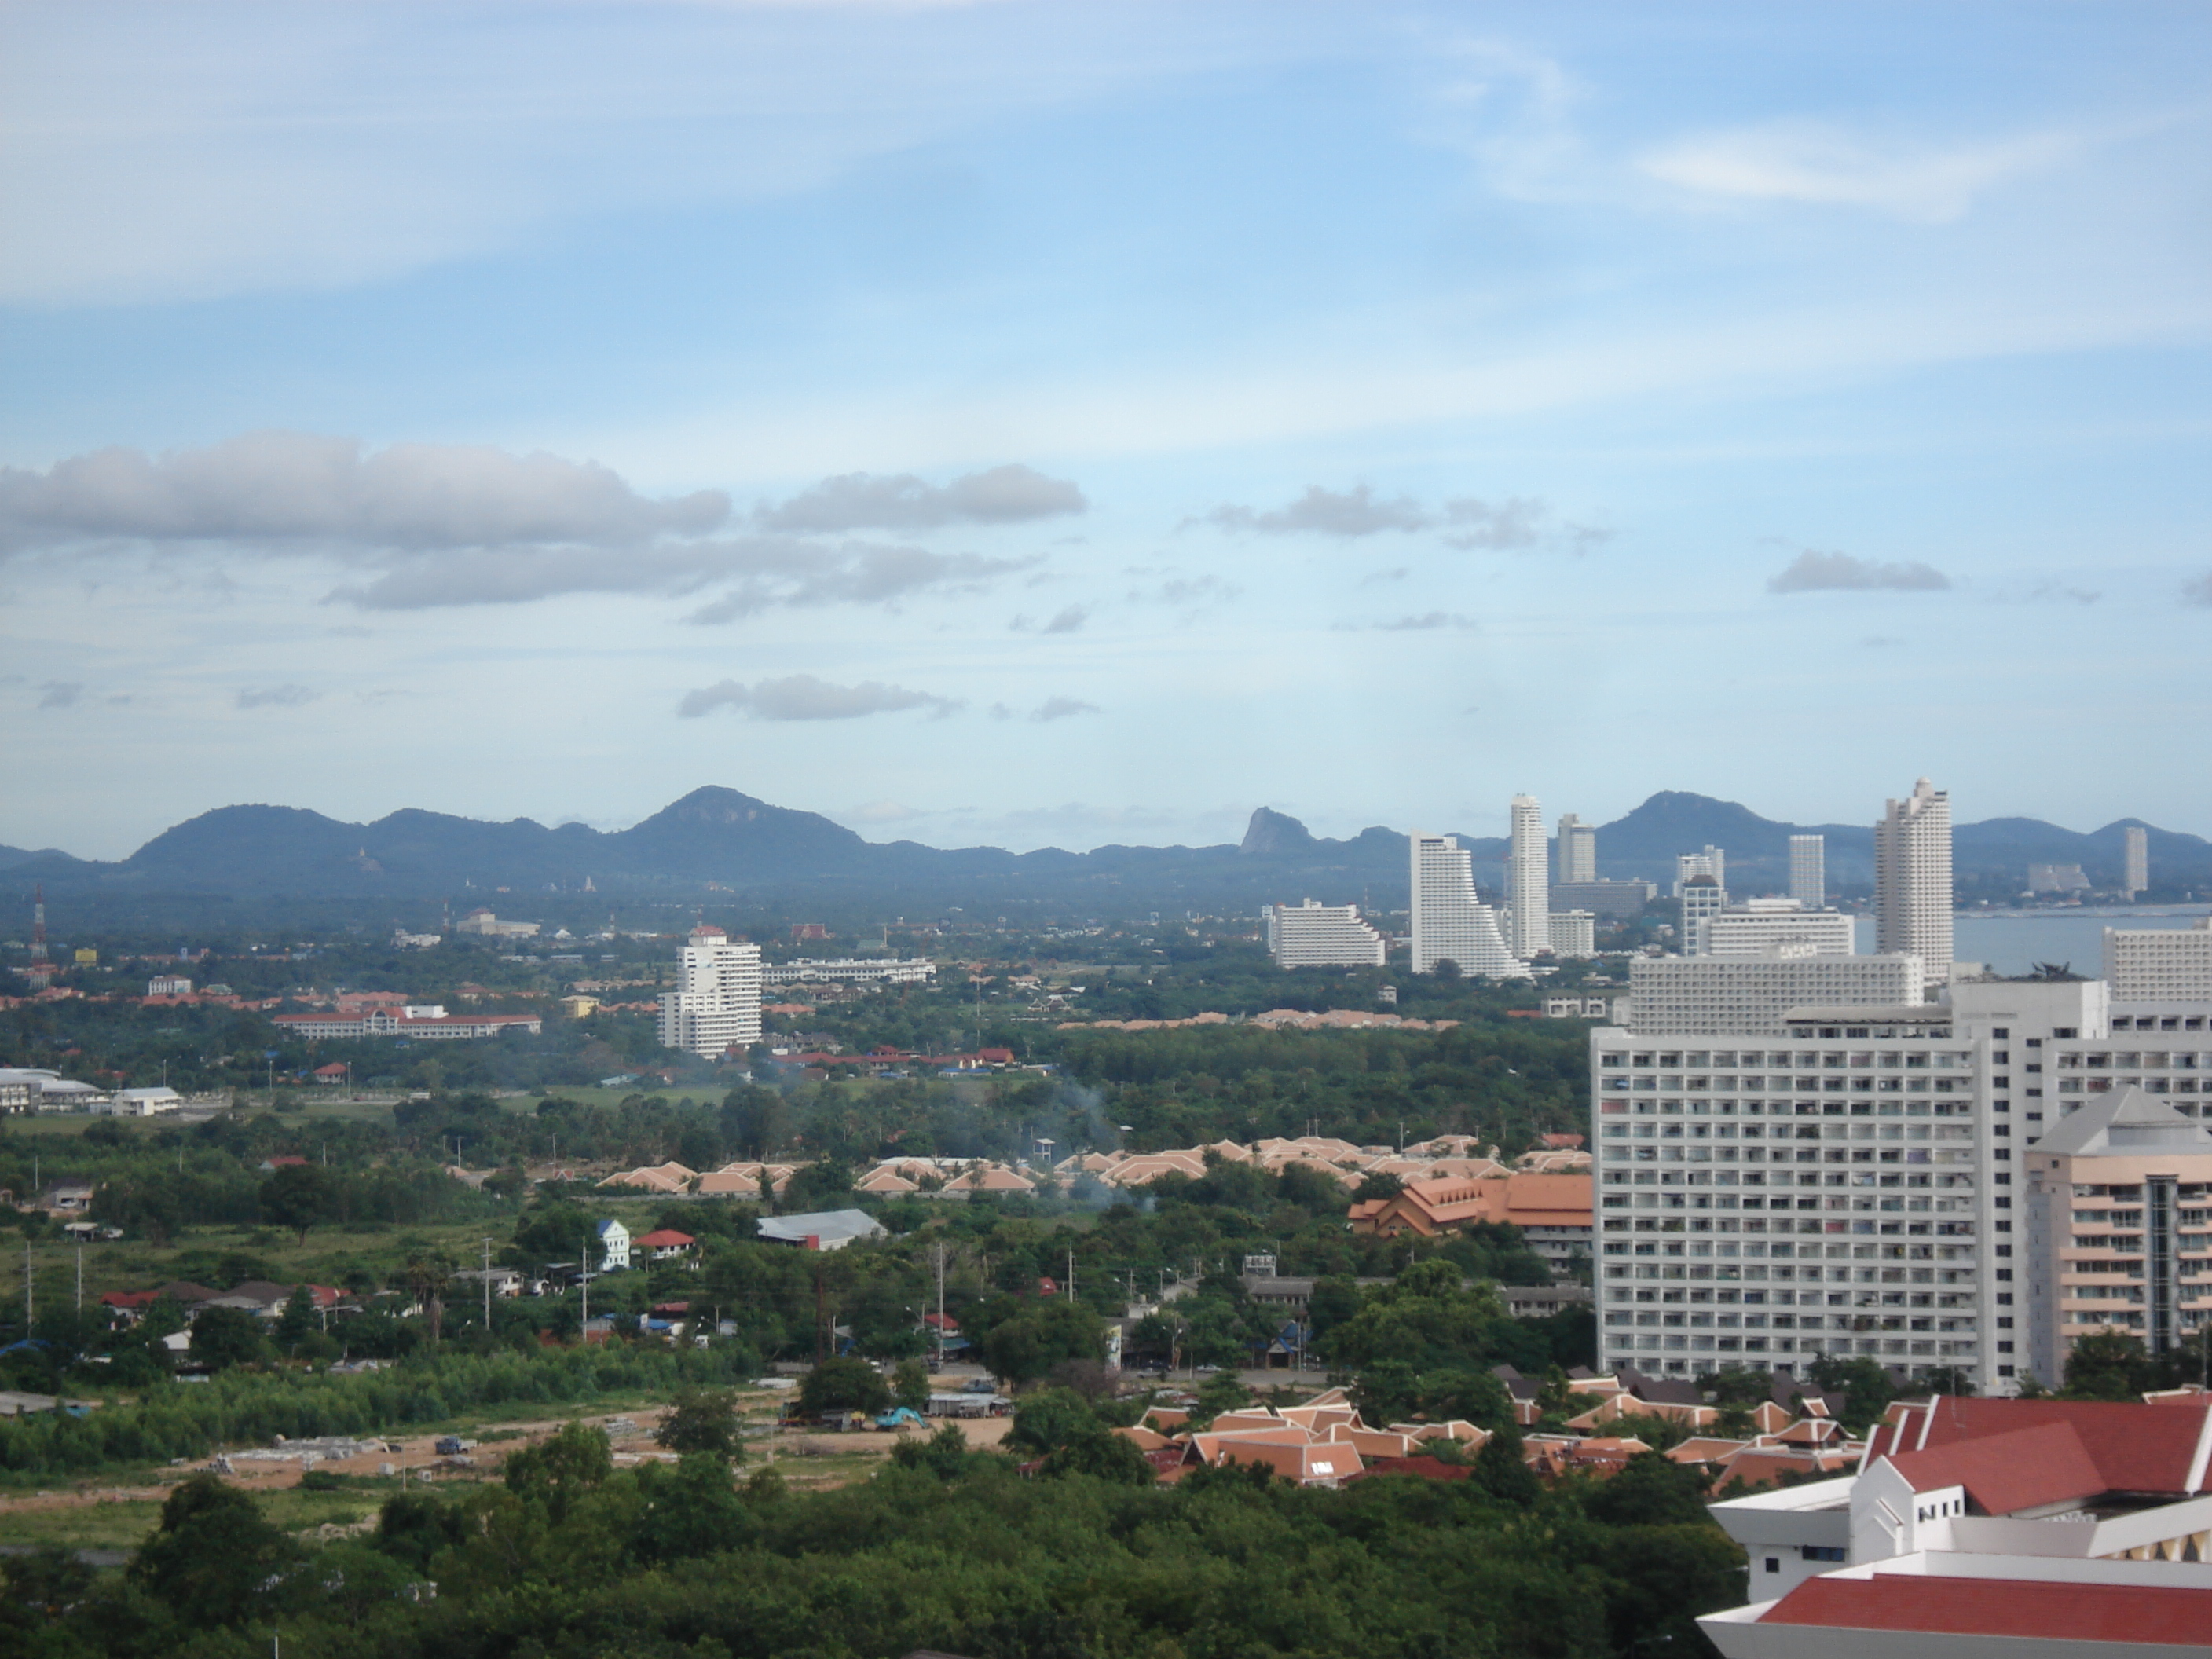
{"x": 721, "y": 836}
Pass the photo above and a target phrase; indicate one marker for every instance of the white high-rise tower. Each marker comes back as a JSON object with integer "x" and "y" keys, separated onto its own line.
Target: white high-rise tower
{"x": 1913, "y": 879}
{"x": 1450, "y": 922}
{"x": 1809, "y": 870}
{"x": 1528, "y": 884}
{"x": 2138, "y": 860}
{"x": 716, "y": 1004}
{"x": 1577, "y": 849}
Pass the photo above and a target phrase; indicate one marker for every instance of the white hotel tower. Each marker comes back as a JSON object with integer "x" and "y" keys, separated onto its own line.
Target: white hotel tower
{"x": 1528, "y": 882}
{"x": 716, "y": 1004}
{"x": 1913, "y": 879}
{"x": 1450, "y": 922}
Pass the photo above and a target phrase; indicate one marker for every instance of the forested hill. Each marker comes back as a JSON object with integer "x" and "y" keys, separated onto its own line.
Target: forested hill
{"x": 719, "y": 836}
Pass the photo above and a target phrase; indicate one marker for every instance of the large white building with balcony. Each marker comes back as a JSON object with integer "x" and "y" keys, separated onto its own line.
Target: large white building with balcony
{"x": 1753, "y": 995}
{"x": 1318, "y": 935}
{"x": 1754, "y": 927}
{"x": 1450, "y": 922}
{"x": 715, "y": 1007}
{"x": 2160, "y": 965}
{"x": 1912, "y": 879}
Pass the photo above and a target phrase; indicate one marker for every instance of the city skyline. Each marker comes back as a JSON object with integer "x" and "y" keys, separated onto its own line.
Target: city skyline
{"x": 514, "y": 411}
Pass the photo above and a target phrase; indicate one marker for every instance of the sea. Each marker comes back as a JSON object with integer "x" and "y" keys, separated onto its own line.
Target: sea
{"x": 2013, "y": 941}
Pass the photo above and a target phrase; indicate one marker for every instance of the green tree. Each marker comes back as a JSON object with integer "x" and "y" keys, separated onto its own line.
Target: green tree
{"x": 558, "y": 1471}
{"x": 1649, "y": 1490}
{"x": 2108, "y": 1365}
{"x": 1501, "y": 1469}
{"x": 704, "y": 1422}
{"x": 1335, "y": 1299}
{"x": 223, "y": 1337}
{"x": 1865, "y": 1386}
{"x": 300, "y": 1197}
{"x": 1026, "y": 1347}
{"x": 911, "y": 1384}
{"x": 298, "y": 1321}
{"x": 844, "y": 1385}
{"x": 214, "y": 1554}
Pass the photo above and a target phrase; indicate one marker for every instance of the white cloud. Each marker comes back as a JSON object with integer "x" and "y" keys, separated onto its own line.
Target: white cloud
{"x": 856, "y": 500}
{"x": 1427, "y": 622}
{"x": 60, "y": 693}
{"x": 277, "y": 697}
{"x": 1061, "y": 708}
{"x": 1808, "y": 162}
{"x": 804, "y": 697}
{"x": 1814, "y": 571}
{"x": 1516, "y": 521}
{"x": 1346, "y": 513}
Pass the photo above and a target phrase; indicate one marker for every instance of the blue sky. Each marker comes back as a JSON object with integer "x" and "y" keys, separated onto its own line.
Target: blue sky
{"x": 1060, "y": 424}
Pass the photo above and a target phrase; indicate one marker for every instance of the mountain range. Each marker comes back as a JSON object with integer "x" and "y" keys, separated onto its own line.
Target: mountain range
{"x": 719, "y": 836}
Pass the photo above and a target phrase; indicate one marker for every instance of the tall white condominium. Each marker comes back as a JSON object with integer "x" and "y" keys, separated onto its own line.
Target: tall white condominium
{"x": 1318, "y": 935}
{"x": 1574, "y": 934}
{"x": 1912, "y": 879}
{"x": 2161, "y": 965}
{"x": 1577, "y": 849}
{"x": 1809, "y": 870}
{"x": 716, "y": 1004}
{"x": 1711, "y": 862}
{"x": 2138, "y": 860}
{"x": 1450, "y": 922}
{"x": 1702, "y": 899}
{"x": 1528, "y": 884}
{"x": 1756, "y": 925}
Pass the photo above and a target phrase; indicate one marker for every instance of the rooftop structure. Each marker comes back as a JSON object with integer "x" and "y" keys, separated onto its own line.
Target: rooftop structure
{"x": 821, "y": 1230}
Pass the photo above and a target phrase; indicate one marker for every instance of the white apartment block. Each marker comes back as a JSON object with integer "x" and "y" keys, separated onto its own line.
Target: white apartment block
{"x": 1318, "y": 935}
{"x": 1752, "y": 996}
{"x": 1711, "y": 862}
{"x": 1895, "y": 1228}
{"x": 1528, "y": 881}
{"x": 1754, "y": 927}
{"x": 2138, "y": 860}
{"x": 1809, "y": 870}
{"x": 716, "y": 1004}
{"x": 2150, "y": 964}
{"x": 1577, "y": 849}
{"x": 1450, "y": 923}
{"x": 849, "y": 971}
{"x": 1574, "y": 934}
{"x": 1700, "y": 899}
{"x": 1912, "y": 879}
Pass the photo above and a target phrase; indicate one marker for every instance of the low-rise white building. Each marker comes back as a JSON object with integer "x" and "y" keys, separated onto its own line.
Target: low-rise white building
{"x": 2153, "y": 964}
{"x": 1758, "y": 926}
{"x": 1574, "y": 935}
{"x": 1316, "y": 935}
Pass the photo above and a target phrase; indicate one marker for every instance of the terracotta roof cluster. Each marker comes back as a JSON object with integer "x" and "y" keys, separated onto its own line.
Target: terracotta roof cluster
{"x": 1322, "y": 1443}
{"x": 1441, "y": 1204}
{"x": 951, "y": 1177}
{"x": 1295, "y": 1019}
{"x": 1343, "y": 1162}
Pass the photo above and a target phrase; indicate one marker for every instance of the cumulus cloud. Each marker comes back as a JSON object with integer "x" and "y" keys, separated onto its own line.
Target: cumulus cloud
{"x": 1346, "y": 513}
{"x": 1067, "y": 622}
{"x": 431, "y": 525}
{"x": 1431, "y": 620}
{"x": 1061, "y": 708}
{"x": 1814, "y": 571}
{"x": 60, "y": 693}
{"x": 296, "y": 488}
{"x": 1806, "y": 161}
{"x": 861, "y": 501}
{"x": 804, "y": 697}
{"x": 276, "y": 696}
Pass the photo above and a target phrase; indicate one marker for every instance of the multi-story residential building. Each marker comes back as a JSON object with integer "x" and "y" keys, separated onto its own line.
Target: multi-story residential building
{"x": 1576, "y": 851}
{"x": 1528, "y": 882}
{"x": 1574, "y": 934}
{"x": 1752, "y": 996}
{"x": 1450, "y": 922}
{"x": 1912, "y": 879}
{"x": 1318, "y": 935}
{"x": 1604, "y": 898}
{"x": 716, "y": 1005}
{"x": 849, "y": 971}
{"x": 1755, "y": 926}
{"x": 2151, "y": 964}
{"x": 2056, "y": 879}
{"x": 1700, "y": 898}
{"x": 427, "y": 1022}
{"x": 1809, "y": 870}
{"x": 169, "y": 985}
{"x": 2118, "y": 1227}
{"x": 1711, "y": 862}
{"x": 2138, "y": 860}
{"x": 491, "y": 926}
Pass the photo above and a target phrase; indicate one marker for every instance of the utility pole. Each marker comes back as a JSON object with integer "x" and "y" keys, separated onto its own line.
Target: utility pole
{"x": 940, "y": 1307}
{"x": 487, "y": 1283}
{"x": 1070, "y": 1273}
{"x": 80, "y": 1276}
{"x": 584, "y": 1283}
{"x": 29, "y": 1309}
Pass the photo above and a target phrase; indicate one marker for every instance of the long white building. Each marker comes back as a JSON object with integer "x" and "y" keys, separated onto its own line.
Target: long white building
{"x": 1450, "y": 922}
{"x": 850, "y": 971}
{"x": 2151, "y": 965}
{"x": 716, "y": 1005}
{"x": 1757, "y": 925}
{"x": 1318, "y": 935}
{"x": 1752, "y": 995}
{"x": 1528, "y": 881}
{"x": 1912, "y": 879}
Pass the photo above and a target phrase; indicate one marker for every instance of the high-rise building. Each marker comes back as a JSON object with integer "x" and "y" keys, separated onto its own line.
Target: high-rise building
{"x": 1711, "y": 862}
{"x": 1912, "y": 879}
{"x": 1577, "y": 849}
{"x": 1752, "y": 996}
{"x": 1619, "y": 899}
{"x": 1701, "y": 898}
{"x": 1809, "y": 870}
{"x": 716, "y": 1005}
{"x": 1528, "y": 882}
{"x": 2115, "y": 1193}
{"x": 1450, "y": 921}
{"x": 1574, "y": 935}
{"x": 2138, "y": 873}
{"x": 1757, "y": 925}
{"x": 1318, "y": 935}
{"x": 2160, "y": 965}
